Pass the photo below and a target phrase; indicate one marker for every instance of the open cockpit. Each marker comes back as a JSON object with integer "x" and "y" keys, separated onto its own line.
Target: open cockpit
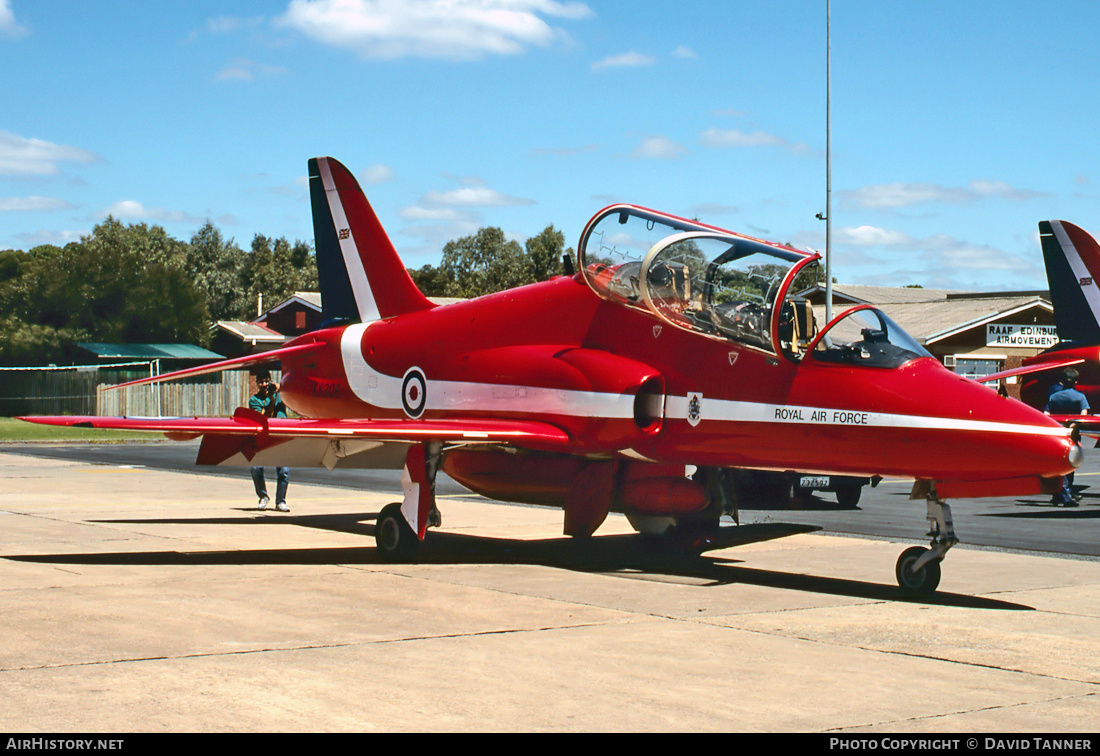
{"x": 701, "y": 278}
{"x": 732, "y": 287}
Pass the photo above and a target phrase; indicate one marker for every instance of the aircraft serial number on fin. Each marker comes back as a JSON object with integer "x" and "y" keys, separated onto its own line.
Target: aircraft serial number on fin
{"x": 836, "y": 417}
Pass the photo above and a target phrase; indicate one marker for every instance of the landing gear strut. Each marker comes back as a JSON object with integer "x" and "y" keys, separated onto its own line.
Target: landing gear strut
{"x": 918, "y": 568}
{"x": 400, "y": 526}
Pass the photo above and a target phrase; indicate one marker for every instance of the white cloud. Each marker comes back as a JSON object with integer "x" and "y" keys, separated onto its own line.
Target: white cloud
{"x": 377, "y": 174}
{"x": 565, "y": 151}
{"x": 134, "y": 210}
{"x": 32, "y": 204}
{"x": 626, "y": 60}
{"x": 943, "y": 252}
{"x": 247, "y": 70}
{"x": 660, "y": 148}
{"x": 9, "y": 27}
{"x": 899, "y": 194}
{"x": 422, "y": 213}
{"x": 20, "y": 156}
{"x": 230, "y": 24}
{"x": 451, "y": 29}
{"x": 873, "y": 236}
{"x": 940, "y": 260}
{"x": 682, "y": 51}
{"x": 58, "y": 238}
{"x": 441, "y": 216}
{"x": 473, "y": 196}
{"x": 737, "y": 138}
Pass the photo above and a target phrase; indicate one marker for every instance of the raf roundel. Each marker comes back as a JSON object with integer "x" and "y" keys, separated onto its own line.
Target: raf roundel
{"x": 414, "y": 392}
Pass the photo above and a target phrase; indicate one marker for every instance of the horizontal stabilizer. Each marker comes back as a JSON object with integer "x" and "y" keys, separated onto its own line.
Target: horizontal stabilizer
{"x": 1081, "y": 422}
{"x": 1029, "y": 369}
{"x": 233, "y": 364}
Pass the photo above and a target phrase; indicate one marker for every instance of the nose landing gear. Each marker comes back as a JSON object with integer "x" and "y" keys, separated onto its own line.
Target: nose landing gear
{"x": 918, "y": 568}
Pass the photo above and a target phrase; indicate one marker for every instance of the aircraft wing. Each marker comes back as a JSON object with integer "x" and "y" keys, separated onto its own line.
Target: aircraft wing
{"x": 246, "y": 422}
{"x": 250, "y": 438}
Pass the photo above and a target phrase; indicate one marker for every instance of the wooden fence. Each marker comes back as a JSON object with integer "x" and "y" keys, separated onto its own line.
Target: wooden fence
{"x": 84, "y": 391}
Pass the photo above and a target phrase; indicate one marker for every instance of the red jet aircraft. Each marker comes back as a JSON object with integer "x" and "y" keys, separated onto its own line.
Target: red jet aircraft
{"x": 678, "y": 352}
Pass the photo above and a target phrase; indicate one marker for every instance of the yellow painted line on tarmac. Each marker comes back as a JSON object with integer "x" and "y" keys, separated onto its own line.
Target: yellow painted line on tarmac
{"x": 111, "y": 469}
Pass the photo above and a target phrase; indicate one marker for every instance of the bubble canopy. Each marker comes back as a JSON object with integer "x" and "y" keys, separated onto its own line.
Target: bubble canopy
{"x": 701, "y": 278}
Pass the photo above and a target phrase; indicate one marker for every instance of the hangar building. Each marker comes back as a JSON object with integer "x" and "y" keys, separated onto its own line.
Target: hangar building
{"x": 973, "y": 333}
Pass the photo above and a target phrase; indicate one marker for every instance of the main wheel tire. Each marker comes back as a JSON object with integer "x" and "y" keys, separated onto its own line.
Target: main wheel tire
{"x": 848, "y": 496}
{"x": 924, "y": 581}
{"x": 393, "y": 537}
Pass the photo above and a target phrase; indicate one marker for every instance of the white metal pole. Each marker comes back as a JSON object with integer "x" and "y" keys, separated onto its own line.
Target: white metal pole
{"x": 828, "y": 162}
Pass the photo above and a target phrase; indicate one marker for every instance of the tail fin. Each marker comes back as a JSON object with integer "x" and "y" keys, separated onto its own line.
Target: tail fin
{"x": 1072, "y": 260}
{"x": 361, "y": 277}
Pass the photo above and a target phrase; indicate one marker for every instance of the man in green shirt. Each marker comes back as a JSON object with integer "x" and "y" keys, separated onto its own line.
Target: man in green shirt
{"x": 266, "y": 401}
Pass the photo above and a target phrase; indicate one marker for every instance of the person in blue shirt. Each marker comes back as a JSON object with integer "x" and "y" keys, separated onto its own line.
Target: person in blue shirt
{"x": 266, "y": 401}
{"x": 1065, "y": 399}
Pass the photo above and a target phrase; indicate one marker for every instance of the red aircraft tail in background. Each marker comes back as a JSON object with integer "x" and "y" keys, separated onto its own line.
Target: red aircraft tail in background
{"x": 1072, "y": 260}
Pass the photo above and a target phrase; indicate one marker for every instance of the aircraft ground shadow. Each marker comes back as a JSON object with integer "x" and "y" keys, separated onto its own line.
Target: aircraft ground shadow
{"x": 1049, "y": 512}
{"x": 628, "y": 555}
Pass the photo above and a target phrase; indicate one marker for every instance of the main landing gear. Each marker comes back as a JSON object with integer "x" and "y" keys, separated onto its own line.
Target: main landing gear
{"x": 393, "y": 537}
{"x": 400, "y": 526}
{"x": 918, "y": 568}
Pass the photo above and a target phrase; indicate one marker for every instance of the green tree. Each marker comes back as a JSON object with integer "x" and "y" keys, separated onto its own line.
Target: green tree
{"x": 276, "y": 269}
{"x": 483, "y": 263}
{"x": 216, "y": 265}
{"x": 119, "y": 283}
{"x": 430, "y": 280}
{"x": 545, "y": 252}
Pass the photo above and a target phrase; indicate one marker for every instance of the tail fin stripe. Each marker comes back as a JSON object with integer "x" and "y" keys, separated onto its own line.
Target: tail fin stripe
{"x": 364, "y": 297}
{"x": 1085, "y": 278}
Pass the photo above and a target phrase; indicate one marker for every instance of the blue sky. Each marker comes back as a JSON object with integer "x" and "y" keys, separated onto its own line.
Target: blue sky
{"x": 957, "y": 127}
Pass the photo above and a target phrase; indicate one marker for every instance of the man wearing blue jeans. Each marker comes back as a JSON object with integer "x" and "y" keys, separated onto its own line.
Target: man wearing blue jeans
{"x": 266, "y": 401}
{"x": 1066, "y": 400}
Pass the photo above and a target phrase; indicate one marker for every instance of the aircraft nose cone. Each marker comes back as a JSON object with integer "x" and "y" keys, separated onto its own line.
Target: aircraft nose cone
{"x": 1075, "y": 456}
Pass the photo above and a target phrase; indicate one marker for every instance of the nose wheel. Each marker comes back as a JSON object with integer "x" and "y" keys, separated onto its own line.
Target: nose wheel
{"x": 915, "y": 581}
{"x": 918, "y": 568}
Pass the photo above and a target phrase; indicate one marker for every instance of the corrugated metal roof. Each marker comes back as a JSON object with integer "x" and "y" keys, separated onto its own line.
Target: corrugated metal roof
{"x": 882, "y": 294}
{"x": 930, "y": 321}
{"x": 148, "y": 351}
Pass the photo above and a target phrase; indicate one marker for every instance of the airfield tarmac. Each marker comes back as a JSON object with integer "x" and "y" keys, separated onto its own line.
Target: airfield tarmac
{"x": 136, "y": 599}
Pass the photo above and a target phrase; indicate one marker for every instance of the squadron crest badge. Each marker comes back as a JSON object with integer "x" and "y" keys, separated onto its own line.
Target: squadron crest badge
{"x": 695, "y": 408}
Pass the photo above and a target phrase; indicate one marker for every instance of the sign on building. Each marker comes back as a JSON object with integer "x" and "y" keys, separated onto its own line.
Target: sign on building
{"x": 1010, "y": 335}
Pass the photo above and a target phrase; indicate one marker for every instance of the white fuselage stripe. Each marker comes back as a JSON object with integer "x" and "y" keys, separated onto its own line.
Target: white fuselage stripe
{"x": 385, "y": 391}
{"x": 357, "y": 276}
{"x": 724, "y": 410}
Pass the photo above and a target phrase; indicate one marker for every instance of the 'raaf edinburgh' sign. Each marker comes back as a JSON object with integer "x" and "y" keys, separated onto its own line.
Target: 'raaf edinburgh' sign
{"x": 1009, "y": 335}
